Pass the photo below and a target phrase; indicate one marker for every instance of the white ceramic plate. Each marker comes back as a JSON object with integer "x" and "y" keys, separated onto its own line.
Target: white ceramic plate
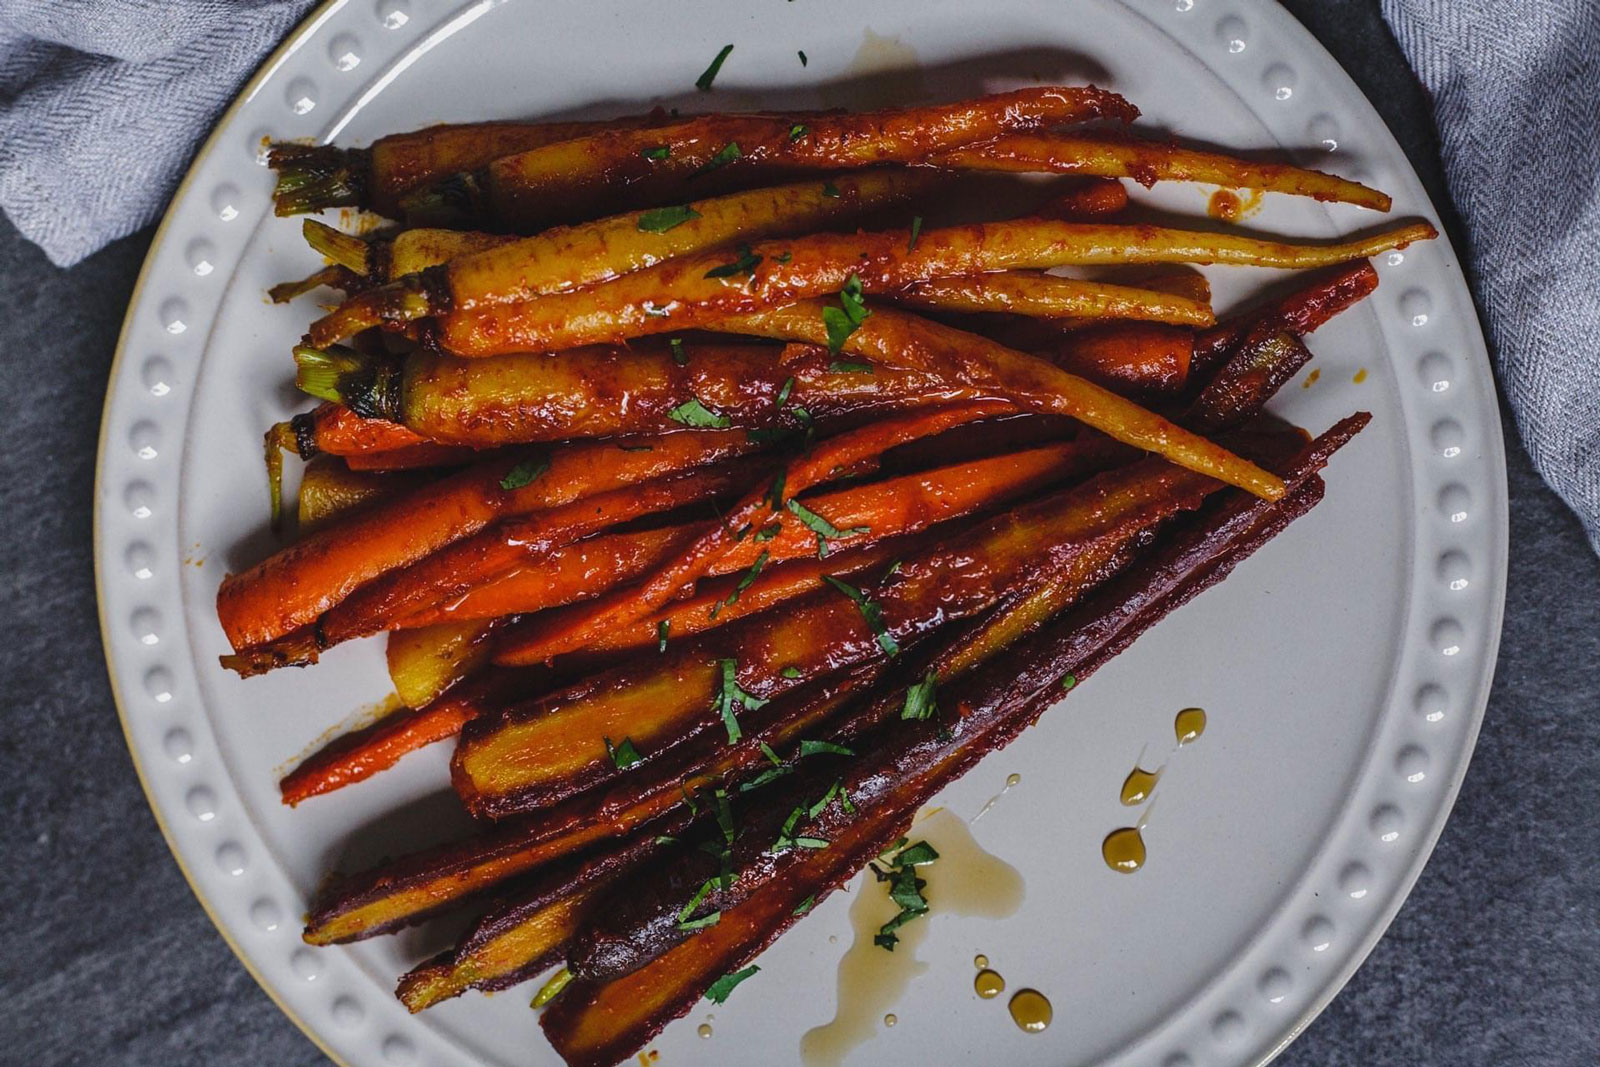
{"x": 1345, "y": 667}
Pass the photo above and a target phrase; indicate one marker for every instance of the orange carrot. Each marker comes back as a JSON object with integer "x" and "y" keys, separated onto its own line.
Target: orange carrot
{"x": 629, "y": 605}
{"x": 410, "y": 457}
{"x": 291, "y": 589}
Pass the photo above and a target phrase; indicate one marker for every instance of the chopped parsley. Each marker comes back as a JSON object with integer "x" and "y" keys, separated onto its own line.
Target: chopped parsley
{"x": 703, "y": 83}
{"x": 718, "y": 993}
{"x": 745, "y": 264}
{"x": 663, "y": 219}
{"x": 749, "y": 576}
{"x": 666, "y": 839}
{"x": 766, "y": 777}
{"x": 827, "y": 798}
{"x": 660, "y": 151}
{"x": 730, "y": 696}
{"x": 811, "y": 842}
{"x": 916, "y": 231}
{"x": 663, "y": 628}
{"x": 725, "y": 155}
{"x": 525, "y": 472}
{"x": 693, "y": 413}
{"x": 783, "y": 393}
{"x": 850, "y": 366}
{"x": 802, "y": 56}
{"x": 772, "y": 757}
{"x": 679, "y": 356}
{"x": 704, "y": 921}
{"x": 637, "y": 448}
{"x": 624, "y": 755}
{"x": 871, "y": 611}
{"x": 817, "y": 748}
{"x": 920, "y": 700}
{"x": 825, "y": 530}
{"x": 798, "y": 130}
{"x": 1069, "y": 681}
{"x": 905, "y": 888}
{"x": 783, "y": 257}
{"x": 775, "y": 494}
{"x": 844, "y": 320}
{"x": 805, "y": 905}
{"x": 767, "y": 533}
{"x": 790, "y": 672}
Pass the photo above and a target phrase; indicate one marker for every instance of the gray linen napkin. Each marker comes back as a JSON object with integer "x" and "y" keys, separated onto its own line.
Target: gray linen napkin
{"x": 102, "y": 102}
{"x": 1516, "y": 95}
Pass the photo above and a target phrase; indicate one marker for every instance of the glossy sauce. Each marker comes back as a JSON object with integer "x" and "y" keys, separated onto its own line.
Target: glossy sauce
{"x": 1031, "y": 1011}
{"x": 1311, "y": 379}
{"x": 1189, "y": 725}
{"x": 964, "y": 880}
{"x": 1137, "y": 787}
{"x": 1123, "y": 850}
{"x": 1229, "y": 207}
{"x": 1361, "y": 376}
{"x": 704, "y": 1030}
{"x": 988, "y": 984}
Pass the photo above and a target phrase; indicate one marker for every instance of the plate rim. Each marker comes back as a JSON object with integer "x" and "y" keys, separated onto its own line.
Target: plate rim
{"x": 1494, "y": 457}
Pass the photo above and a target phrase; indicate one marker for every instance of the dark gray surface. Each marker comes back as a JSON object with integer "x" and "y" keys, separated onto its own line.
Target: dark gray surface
{"x": 108, "y": 959}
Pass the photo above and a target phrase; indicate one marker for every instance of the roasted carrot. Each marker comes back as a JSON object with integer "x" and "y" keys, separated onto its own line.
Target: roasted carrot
{"x": 570, "y": 257}
{"x": 895, "y": 338}
{"x": 328, "y": 488}
{"x": 695, "y": 291}
{"x": 1050, "y": 297}
{"x": 667, "y": 580}
{"x": 1084, "y": 200}
{"x": 1309, "y": 304}
{"x": 575, "y": 178}
{"x": 294, "y": 587}
{"x": 311, "y": 178}
{"x": 1134, "y": 359}
{"x": 535, "y": 753}
{"x": 1147, "y": 162}
{"x": 605, "y": 390}
{"x": 445, "y": 575}
{"x": 869, "y": 513}
{"x": 426, "y": 661}
{"x": 412, "y": 457}
{"x": 338, "y": 431}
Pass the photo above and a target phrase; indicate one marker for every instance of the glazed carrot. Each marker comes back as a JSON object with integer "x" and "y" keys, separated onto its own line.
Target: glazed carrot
{"x": 1137, "y": 359}
{"x": 311, "y": 178}
{"x": 667, "y": 580}
{"x": 292, "y": 588}
{"x": 338, "y": 431}
{"x": 570, "y": 257}
{"x": 1147, "y": 162}
{"x": 444, "y": 576}
{"x": 1050, "y": 297}
{"x": 358, "y": 755}
{"x": 428, "y": 660}
{"x": 694, "y": 291}
{"x": 537, "y": 753}
{"x": 869, "y": 513}
{"x": 1309, "y": 304}
{"x": 575, "y": 178}
{"x": 896, "y": 338}
{"x": 601, "y": 391}
{"x": 328, "y": 488}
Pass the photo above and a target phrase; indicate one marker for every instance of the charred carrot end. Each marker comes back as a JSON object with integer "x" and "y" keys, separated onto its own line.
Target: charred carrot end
{"x": 398, "y": 302}
{"x": 314, "y": 177}
{"x": 344, "y": 249}
{"x": 332, "y": 276}
{"x": 368, "y": 386}
{"x": 280, "y": 439}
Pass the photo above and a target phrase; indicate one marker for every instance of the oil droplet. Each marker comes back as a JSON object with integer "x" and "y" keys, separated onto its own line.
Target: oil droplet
{"x": 988, "y": 984}
{"x": 704, "y": 1030}
{"x": 980, "y": 961}
{"x": 1189, "y": 725}
{"x": 1361, "y": 376}
{"x": 1311, "y": 379}
{"x": 964, "y": 880}
{"x": 890, "y": 1019}
{"x": 1031, "y": 1010}
{"x": 1136, "y": 788}
{"x": 1224, "y": 205}
{"x": 1124, "y": 850}
{"x": 1013, "y": 780}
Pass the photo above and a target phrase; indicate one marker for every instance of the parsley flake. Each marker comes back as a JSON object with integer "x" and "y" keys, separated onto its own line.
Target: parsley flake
{"x": 624, "y": 755}
{"x": 659, "y": 151}
{"x": 679, "y": 356}
{"x": 920, "y": 699}
{"x": 730, "y": 695}
{"x": 749, "y": 576}
{"x": 798, "y": 130}
{"x": 830, "y": 190}
{"x": 663, "y": 219}
{"x": 1069, "y": 681}
{"x": 790, "y": 672}
{"x": 916, "y": 231}
{"x": 663, "y": 628}
{"x": 849, "y": 366}
{"x": 693, "y": 413}
{"x": 703, "y": 83}
{"x": 725, "y": 155}
{"x": 525, "y": 472}
{"x": 844, "y": 320}
{"x": 802, "y": 56}
{"x": 817, "y": 748}
{"x": 718, "y": 993}
{"x": 805, "y": 905}
{"x": 825, "y": 530}
{"x": 745, "y": 264}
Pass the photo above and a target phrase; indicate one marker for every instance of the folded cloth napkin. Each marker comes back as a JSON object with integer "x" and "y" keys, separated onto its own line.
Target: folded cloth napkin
{"x": 102, "y": 102}
{"x": 1516, "y": 96}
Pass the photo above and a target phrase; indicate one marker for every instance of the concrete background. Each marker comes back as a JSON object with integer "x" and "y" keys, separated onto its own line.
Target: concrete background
{"x": 108, "y": 959}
